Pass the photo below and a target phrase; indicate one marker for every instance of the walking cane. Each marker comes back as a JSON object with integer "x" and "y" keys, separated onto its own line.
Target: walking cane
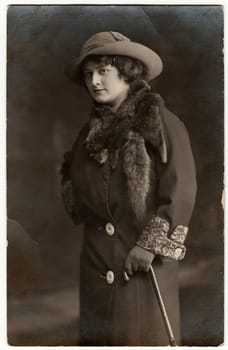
{"x": 172, "y": 340}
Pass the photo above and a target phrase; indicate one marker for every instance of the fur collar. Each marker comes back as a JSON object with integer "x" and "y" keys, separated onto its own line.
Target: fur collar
{"x": 126, "y": 132}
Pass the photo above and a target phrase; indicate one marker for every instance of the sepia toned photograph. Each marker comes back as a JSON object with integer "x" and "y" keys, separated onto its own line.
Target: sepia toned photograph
{"x": 115, "y": 166}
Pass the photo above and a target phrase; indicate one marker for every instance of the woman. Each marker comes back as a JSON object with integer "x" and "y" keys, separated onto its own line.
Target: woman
{"x": 130, "y": 179}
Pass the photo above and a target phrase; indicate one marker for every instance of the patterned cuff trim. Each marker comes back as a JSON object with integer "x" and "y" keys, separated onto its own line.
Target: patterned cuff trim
{"x": 154, "y": 238}
{"x": 157, "y": 227}
{"x": 165, "y": 247}
{"x": 179, "y": 234}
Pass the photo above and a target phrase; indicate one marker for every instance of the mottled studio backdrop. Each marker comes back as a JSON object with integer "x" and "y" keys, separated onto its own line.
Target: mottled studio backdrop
{"x": 44, "y": 114}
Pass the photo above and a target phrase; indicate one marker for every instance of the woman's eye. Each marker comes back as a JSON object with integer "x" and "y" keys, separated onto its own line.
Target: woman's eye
{"x": 103, "y": 71}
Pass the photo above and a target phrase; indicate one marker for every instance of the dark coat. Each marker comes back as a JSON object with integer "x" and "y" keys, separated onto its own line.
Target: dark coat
{"x": 129, "y": 169}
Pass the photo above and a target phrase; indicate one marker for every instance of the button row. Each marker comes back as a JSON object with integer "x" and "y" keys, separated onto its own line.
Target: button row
{"x": 110, "y": 230}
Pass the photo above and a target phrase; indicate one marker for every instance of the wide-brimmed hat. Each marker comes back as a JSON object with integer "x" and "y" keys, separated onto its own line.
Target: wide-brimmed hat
{"x": 114, "y": 43}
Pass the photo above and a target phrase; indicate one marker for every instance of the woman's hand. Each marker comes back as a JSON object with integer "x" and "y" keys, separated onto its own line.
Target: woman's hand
{"x": 139, "y": 259}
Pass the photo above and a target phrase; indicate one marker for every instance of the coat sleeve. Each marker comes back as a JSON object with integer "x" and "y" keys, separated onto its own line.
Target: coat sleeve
{"x": 78, "y": 212}
{"x": 166, "y": 232}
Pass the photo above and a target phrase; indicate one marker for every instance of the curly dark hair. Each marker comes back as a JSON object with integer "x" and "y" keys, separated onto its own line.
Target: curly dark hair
{"x": 129, "y": 68}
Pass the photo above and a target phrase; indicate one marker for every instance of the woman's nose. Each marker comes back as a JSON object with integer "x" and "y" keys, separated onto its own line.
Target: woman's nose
{"x": 95, "y": 79}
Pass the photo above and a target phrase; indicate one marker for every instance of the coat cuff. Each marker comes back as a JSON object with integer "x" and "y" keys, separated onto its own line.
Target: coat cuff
{"x": 179, "y": 234}
{"x": 155, "y": 239}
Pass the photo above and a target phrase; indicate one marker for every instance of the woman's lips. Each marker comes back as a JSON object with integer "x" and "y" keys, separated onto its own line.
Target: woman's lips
{"x": 99, "y": 90}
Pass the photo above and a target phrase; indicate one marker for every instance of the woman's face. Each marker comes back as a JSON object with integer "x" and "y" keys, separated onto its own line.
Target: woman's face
{"x": 104, "y": 83}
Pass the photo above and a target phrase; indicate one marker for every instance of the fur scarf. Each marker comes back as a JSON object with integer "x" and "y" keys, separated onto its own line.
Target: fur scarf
{"x": 126, "y": 134}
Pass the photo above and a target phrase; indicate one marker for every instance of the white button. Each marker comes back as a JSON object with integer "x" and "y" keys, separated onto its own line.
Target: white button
{"x": 109, "y": 228}
{"x": 110, "y": 277}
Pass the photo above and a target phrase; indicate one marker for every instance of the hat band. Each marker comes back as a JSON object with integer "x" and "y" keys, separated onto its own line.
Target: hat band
{"x": 89, "y": 48}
